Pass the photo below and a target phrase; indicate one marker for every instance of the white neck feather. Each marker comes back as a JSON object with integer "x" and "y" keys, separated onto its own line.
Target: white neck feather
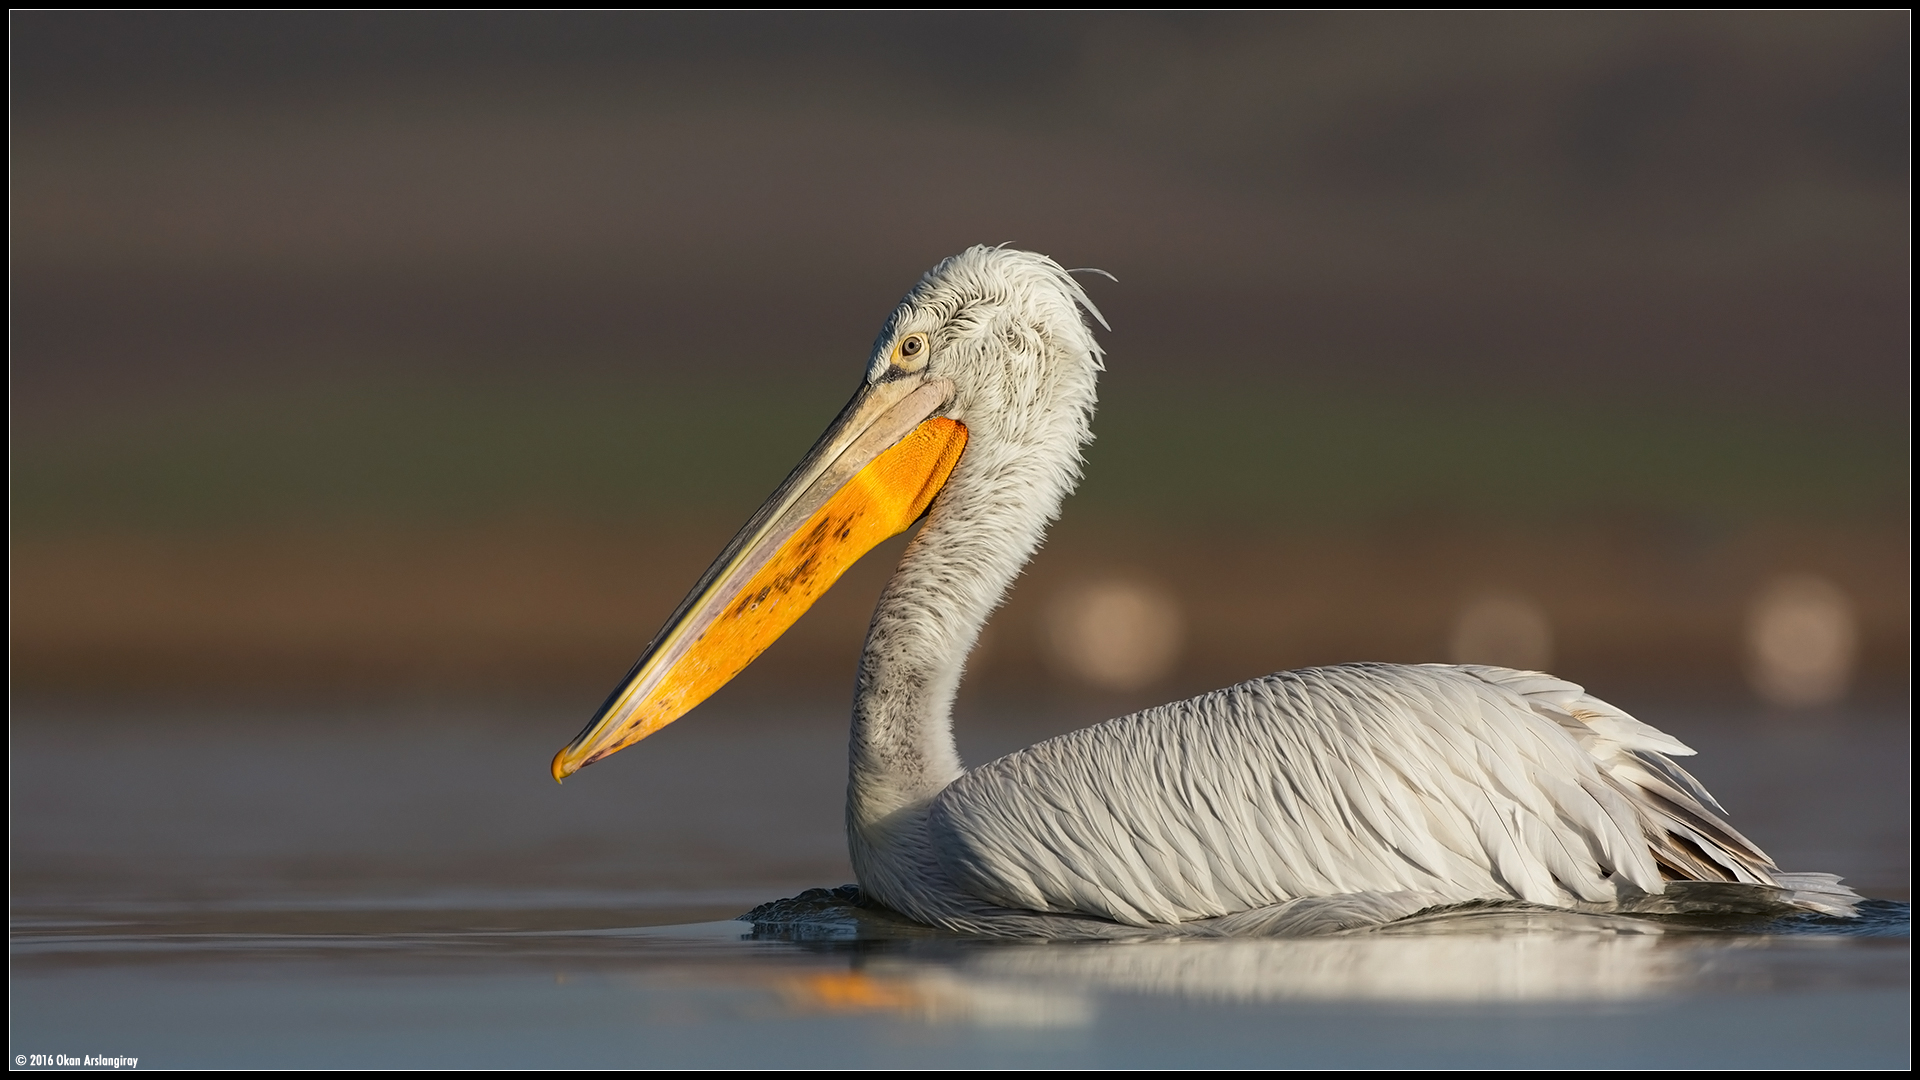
{"x": 984, "y": 526}
{"x": 1010, "y": 336}
{"x": 951, "y": 578}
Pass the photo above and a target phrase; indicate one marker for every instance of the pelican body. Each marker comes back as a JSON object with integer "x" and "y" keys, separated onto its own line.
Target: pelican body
{"x": 1367, "y": 790}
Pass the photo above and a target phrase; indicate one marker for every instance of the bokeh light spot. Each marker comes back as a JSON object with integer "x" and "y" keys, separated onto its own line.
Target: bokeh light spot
{"x": 1116, "y": 634}
{"x": 1802, "y": 639}
{"x": 1503, "y": 629}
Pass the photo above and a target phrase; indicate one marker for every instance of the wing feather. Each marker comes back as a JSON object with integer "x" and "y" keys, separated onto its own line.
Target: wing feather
{"x": 1457, "y": 782}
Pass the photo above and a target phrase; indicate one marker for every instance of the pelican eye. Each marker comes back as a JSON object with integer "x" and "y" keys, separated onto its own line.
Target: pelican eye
{"x": 911, "y": 353}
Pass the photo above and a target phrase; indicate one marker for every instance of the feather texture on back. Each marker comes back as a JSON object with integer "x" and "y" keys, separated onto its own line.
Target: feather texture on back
{"x": 1459, "y": 783}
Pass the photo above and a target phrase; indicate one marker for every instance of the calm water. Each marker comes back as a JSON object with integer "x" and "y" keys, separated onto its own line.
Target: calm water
{"x": 252, "y": 888}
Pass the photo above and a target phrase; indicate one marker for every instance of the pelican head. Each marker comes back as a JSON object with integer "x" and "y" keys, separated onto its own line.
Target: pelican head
{"x": 976, "y": 400}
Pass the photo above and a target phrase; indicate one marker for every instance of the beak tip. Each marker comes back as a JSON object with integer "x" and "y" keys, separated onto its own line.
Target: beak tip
{"x": 561, "y": 768}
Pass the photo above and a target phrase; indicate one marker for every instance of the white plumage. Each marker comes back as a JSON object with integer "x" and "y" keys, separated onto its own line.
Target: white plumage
{"x": 1396, "y": 787}
{"x": 1449, "y": 783}
{"x": 1297, "y": 802}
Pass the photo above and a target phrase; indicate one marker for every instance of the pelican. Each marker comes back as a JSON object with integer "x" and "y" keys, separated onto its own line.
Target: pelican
{"x": 1361, "y": 792}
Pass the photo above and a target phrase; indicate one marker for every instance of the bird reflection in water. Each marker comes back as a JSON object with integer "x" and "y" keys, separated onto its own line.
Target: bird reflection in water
{"x": 1058, "y": 985}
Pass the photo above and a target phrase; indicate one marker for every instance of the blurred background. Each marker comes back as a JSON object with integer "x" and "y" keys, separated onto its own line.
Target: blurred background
{"x": 429, "y": 357}
{"x": 380, "y": 382}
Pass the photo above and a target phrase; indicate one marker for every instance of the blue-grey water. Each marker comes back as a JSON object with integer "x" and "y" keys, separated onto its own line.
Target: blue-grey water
{"x": 254, "y": 887}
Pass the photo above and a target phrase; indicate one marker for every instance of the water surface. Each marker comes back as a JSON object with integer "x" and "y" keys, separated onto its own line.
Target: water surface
{"x": 251, "y": 888}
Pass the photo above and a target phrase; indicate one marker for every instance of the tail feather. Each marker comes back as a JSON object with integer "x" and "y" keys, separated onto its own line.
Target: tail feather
{"x": 1820, "y": 892}
{"x": 1685, "y": 827}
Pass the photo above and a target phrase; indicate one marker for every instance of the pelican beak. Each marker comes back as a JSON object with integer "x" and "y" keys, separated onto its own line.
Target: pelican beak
{"x": 869, "y": 477}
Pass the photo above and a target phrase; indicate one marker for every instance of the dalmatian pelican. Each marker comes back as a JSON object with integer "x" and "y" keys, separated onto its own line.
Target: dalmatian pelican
{"x": 1369, "y": 790}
